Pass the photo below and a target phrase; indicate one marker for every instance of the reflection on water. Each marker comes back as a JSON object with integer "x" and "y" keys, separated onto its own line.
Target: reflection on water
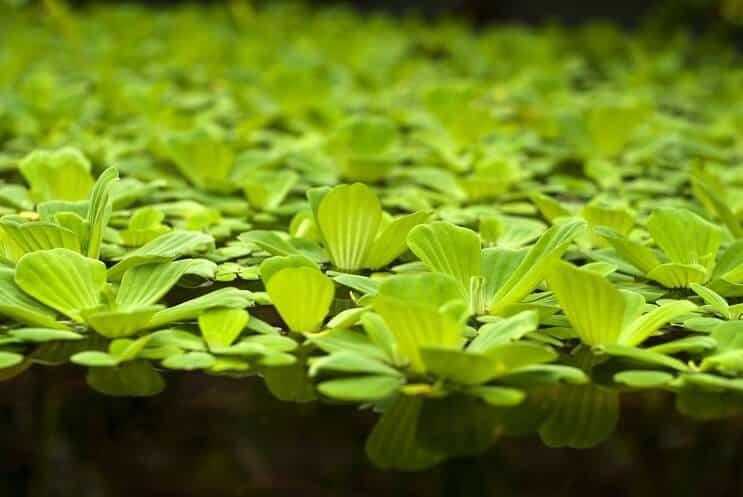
{"x": 226, "y": 436}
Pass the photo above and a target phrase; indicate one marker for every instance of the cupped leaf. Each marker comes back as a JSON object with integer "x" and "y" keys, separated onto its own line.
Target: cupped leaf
{"x": 28, "y": 237}
{"x": 594, "y": 307}
{"x": 430, "y": 289}
{"x": 273, "y": 265}
{"x": 221, "y": 327}
{"x": 62, "y": 279}
{"x": 62, "y": 174}
{"x": 685, "y": 237}
{"x": 117, "y": 323}
{"x": 203, "y": 159}
{"x": 677, "y": 275}
{"x": 448, "y": 249}
{"x": 302, "y": 296}
{"x": 416, "y": 325}
{"x": 266, "y": 189}
{"x": 348, "y": 217}
{"x": 459, "y": 366}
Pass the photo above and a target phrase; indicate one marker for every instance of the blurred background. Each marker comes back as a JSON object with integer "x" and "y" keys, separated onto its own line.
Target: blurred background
{"x": 699, "y": 14}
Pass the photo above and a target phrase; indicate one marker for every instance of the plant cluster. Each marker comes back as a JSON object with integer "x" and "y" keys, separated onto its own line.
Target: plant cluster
{"x": 387, "y": 212}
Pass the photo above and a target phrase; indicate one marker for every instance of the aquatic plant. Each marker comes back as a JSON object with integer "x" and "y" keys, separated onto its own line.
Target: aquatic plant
{"x": 518, "y": 224}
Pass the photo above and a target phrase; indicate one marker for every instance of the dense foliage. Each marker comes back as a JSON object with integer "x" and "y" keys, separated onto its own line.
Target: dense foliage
{"x": 374, "y": 210}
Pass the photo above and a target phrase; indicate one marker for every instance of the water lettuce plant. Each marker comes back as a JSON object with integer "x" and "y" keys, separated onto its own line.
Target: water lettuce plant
{"x": 478, "y": 233}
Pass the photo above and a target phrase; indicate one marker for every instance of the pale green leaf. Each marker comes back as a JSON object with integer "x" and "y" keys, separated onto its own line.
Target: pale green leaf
{"x": 302, "y": 296}
{"x": 448, "y": 249}
{"x": 62, "y": 279}
{"x": 221, "y": 327}
{"x": 348, "y": 217}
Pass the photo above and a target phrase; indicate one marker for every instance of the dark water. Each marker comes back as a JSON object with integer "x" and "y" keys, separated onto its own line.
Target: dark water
{"x": 216, "y": 436}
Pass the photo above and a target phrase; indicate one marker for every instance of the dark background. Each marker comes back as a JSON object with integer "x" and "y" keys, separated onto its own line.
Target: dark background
{"x": 698, "y": 14}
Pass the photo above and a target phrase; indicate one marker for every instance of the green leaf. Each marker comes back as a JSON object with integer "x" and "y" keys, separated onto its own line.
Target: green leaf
{"x": 641, "y": 328}
{"x": 712, "y": 193}
{"x": 348, "y": 217}
{"x": 592, "y": 305}
{"x": 498, "y": 396}
{"x": 99, "y": 211}
{"x": 393, "y": 443}
{"x": 189, "y": 361}
{"x": 636, "y": 254}
{"x": 504, "y": 331}
{"x": 610, "y": 125}
{"x": 266, "y": 189}
{"x": 32, "y": 236}
{"x": 685, "y": 237}
{"x": 62, "y": 174}
{"x": 459, "y": 366}
{"x": 119, "y": 323}
{"x": 302, "y": 296}
{"x": 643, "y": 356}
{"x": 124, "y": 349}
{"x": 176, "y": 338}
{"x": 531, "y": 271}
{"x": 221, "y": 327}
{"x": 269, "y": 241}
{"x": 676, "y": 275}
{"x": 361, "y": 388}
{"x": 273, "y": 265}
{"x": 391, "y": 241}
{"x": 380, "y": 334}
{"x": 415, "y": 325}
{"x": 340, "y": 340}
{"x": 581, "y": 416}
{"x": 147, "y": 284}
{"x": 550, "y": 208}
{"x": 643, "y": 378}
{"x": 16, "y": 304}
{"x": 448, "y": 249}
{"x": 202, "y": 159}
{"x": 431, "y": 289}
{"x": 619, "y": 219}
{"x": 132, "y": 379}
{"x": 62, "y": 279}
{"x": 350, "y": 362}
{"x": 9, "y": 359}
{"x": 356, "y": 282}
{"x": 94, "y": 359}
{"x": 224, "y": 297}
{"x": 498, "y": 265}
{"x": 39, "y": 335}
{"x": 164, "y": 248}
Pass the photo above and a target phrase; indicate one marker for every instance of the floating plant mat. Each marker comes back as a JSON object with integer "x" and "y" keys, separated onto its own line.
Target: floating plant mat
{"x": 423, "y": 215}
